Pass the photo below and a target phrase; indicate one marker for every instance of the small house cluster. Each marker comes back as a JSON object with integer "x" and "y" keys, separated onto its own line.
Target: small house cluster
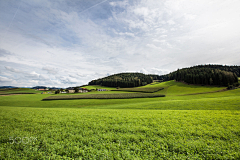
{"x": 67, "y": 90}
{"x": 80, "y": 90}
{"x": 83, "y": 90}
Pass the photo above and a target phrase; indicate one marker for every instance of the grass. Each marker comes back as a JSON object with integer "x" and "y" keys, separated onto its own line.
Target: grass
{"x": 191, "y": 122}
{"x": 119, "y": 134}
{"x": 178, "y": 88}
{"x": 227, "y": 100}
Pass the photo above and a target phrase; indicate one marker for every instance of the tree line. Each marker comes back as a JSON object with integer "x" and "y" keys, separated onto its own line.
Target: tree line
{"x": 208, "y": 75}
{"x": 124, "y": 80}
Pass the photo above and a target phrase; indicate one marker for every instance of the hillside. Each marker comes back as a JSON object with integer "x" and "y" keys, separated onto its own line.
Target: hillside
{"x": 124, "y": 80}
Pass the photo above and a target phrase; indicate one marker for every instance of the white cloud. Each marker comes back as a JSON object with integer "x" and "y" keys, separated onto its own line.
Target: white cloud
{"x": 189, "y": 16}
{"x": 171, "y": 22}
{"x": 12, "y": 69}
{"x": 71, "y": 42}
{"x": 127, "y": 34}
{"x": 50, "y": 70}
{"x": 153, "y": 46}
{"x": 5, "y": 79}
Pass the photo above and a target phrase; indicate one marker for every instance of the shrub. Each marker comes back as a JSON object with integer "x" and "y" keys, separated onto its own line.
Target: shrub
{"x": 230, "y": 87}
{"x": 57, "y": 92}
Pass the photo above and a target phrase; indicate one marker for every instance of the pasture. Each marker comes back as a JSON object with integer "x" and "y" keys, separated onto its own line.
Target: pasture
{"x": 191, "y": 122}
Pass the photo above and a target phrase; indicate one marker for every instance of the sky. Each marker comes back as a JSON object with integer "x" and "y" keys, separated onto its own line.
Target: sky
{"x": 62, "y": 43}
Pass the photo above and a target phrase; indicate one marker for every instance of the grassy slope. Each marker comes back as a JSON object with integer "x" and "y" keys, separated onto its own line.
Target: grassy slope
{"x": 181, "y": 126}
{"x": 178, "y": 88}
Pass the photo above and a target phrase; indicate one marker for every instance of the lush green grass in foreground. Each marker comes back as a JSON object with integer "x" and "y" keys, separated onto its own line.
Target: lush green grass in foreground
{"x": 191, "y": 122}
{"x": 119, "y": 134}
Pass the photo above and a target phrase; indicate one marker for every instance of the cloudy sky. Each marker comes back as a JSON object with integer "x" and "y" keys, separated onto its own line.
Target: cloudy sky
{"x": 68, "y": 43}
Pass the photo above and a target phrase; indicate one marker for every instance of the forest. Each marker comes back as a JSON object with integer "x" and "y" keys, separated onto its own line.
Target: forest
{"x": 221, "y": 75}
{"x": 124, "y": 80}
{"x": 208, "y": 75}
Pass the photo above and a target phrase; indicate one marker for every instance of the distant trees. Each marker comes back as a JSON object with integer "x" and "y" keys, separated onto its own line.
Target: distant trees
{"x": 76, "y": 89}
{"x": 221, "y": 75}
{"x": 57, "y": 91}
{"x": 124, "y": 80}
{"x": 207, "y": 75}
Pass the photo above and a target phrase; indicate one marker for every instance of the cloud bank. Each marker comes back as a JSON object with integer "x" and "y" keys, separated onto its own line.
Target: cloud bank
{"x": 68, "y": 43}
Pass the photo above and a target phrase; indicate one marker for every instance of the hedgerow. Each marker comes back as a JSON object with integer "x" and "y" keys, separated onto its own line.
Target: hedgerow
{"x": 105, "y": 96}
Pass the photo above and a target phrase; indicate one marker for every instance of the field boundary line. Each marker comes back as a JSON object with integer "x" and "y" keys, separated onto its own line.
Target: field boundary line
{"x": 222, "y": 90}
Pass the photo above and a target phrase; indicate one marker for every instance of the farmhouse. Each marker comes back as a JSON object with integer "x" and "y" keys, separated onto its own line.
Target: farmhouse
{"x": 71, "y": 90}
{"x": 42, "y": 88}
{"x": 63, "y": 92}
{"x": 83, "y": 90}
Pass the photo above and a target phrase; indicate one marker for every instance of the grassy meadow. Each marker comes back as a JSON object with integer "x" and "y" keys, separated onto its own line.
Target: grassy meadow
{"x": 190, "y": 122}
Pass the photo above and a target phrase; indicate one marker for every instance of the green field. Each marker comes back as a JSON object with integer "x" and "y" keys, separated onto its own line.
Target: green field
{"x": 191, "y": 122}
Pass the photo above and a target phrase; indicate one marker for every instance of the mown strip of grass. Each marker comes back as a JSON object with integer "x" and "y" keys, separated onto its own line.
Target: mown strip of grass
{"x": 104, "y": 96}
{"x": 144, "y": 90}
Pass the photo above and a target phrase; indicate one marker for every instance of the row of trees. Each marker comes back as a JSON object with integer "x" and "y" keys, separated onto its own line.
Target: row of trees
{"x": 234, "y": 69}
{"x": 205, "y": 76}
{"x": 159, "y": 77}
